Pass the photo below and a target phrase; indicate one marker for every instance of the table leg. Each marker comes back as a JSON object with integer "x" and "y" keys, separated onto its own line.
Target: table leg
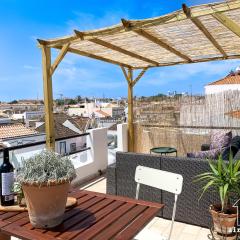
{"x": 3, "y": 236}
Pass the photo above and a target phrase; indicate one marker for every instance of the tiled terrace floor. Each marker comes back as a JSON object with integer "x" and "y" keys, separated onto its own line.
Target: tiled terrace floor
{"x": 181, "y": 231}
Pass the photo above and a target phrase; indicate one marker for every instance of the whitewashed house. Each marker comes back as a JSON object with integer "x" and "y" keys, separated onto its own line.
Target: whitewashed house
{"x": 65, "y": 127}
{"x": 229, "y": 83}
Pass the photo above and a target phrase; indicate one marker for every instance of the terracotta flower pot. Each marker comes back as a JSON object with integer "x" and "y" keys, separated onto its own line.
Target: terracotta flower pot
{"x": 46, "y": 203}
{"x": 224, "y": 223}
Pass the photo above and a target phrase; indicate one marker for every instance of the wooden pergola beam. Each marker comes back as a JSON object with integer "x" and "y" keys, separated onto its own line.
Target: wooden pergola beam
{"x": 125, "y": 73}
{"x": 119, "y": 49}
{"x": 228, "y": 23}
{"x": 203, "y": 29}
{"x": 237, "y": 56}
{"x": 139, "y": 76}
{"x": 90, "y": 55}
{"x": 48, "y": 97}
{"x": 59, "y": 58}
{"x": 162, "y": 44}
{"x": 57, "y": 41}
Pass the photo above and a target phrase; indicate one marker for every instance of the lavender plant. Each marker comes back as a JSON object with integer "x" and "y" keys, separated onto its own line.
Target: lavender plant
{"x": 45, "y": 168}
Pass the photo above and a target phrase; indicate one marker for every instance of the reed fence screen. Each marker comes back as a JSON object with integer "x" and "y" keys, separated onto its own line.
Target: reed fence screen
{"x": 185, "y": 122}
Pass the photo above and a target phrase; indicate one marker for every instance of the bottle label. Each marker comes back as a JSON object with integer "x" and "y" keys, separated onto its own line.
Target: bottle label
{"x": 8, "y": 198}
{"x": 7, "y": 184}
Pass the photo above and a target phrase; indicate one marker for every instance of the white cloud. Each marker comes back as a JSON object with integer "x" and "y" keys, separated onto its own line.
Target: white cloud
{"x": 166, "y": 75}
{"x": 86, "y": 21}
{"x": 30, "y": 67}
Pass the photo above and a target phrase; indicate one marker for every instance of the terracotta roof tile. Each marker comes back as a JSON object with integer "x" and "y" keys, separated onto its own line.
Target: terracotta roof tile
{"x": 60, "y": 130}
{"x": 81, "y": 122}
{"x": 234, "y": 114}
{"x": 15, "y": 130}
{"x": 235, "y": 79}
{"x": 103, "y": 113}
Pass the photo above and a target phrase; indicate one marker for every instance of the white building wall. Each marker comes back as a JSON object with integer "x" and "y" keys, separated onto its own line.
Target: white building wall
{"x": 25, "y": 139}
{"x": 80, "y": 141}
{"x": 213, "y": 89}
{"x": 85, "y": 110}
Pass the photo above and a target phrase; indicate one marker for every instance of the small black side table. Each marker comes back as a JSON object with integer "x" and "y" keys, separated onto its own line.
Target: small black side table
{"x": 163, "y": 150}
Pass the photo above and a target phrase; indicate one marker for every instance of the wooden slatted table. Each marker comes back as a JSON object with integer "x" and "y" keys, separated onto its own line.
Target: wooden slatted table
{"x": 97, "y": 216}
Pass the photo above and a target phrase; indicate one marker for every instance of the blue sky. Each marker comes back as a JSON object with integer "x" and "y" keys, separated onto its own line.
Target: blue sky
{"x": 21, "y": 22}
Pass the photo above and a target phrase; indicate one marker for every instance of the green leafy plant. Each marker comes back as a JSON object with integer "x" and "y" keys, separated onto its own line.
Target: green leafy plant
{"x": 224, "y": 177}
{"x": 45, "y": 168}
{"x": 17, "y": 189}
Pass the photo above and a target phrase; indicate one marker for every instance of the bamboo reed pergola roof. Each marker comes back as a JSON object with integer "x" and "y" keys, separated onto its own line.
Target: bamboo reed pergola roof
{"x": 197, "y": 34}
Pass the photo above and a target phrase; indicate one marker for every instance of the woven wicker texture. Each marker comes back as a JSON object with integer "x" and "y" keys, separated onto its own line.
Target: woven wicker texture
{"x": 189, "y": 209}
{"x": 111, "y": 179}
{"x": 125, "y": 172}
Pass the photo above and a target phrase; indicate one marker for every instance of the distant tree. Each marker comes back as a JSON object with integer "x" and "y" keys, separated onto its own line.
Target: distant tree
{"x": 13, "y": 102}
{"x": 157, "y": 97}
{"x": 41, "y": 101}
{"x": 178, "y": 95}
{"x": 59, "y": 102}
{"x": 79, "y": 99}
{"x": 72, "y": 101}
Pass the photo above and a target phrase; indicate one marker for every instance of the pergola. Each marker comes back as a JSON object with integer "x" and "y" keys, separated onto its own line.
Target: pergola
{"x": 191, "y": 35}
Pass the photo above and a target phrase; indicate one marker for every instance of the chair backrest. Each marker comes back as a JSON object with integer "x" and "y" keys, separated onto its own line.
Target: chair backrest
{"x": 167, "y": 181}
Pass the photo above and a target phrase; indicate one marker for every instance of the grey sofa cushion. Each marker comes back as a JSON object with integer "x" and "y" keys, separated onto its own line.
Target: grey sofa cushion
{"x": 220, "y": 139}
{"x": 209, "y": 154}
{"x": 232, "y": 148}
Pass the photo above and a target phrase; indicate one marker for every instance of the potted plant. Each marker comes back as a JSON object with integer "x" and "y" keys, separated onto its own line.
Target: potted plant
{"x": 223, "y": 177}
{"x": 45, "y": 179}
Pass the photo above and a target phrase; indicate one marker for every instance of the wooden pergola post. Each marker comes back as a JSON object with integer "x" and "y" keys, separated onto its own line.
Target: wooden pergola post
{"x": 48, "y": 97}
{"x": 131, "y": 83}
{"x": 48, "y": 70}
{"x": 130, "y": 111}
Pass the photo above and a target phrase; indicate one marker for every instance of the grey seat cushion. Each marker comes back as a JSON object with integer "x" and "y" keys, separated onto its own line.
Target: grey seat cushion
{"x": 232, "y": 148}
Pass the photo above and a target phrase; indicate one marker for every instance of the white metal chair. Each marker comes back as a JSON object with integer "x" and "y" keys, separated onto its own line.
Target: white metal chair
{"x": 166, "y": 181}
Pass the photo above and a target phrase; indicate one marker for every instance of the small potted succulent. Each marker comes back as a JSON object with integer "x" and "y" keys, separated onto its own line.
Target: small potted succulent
{"x": 17, "y": 189}
{"x": 45, "y": 179}
{"x": 224, "y": 178}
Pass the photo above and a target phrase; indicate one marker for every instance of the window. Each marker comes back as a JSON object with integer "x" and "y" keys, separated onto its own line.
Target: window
{"x": 62, "y": 147}
{"x": 73, "y": 147}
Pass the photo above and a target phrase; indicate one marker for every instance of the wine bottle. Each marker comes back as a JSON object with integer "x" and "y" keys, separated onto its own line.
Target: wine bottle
{"x": 7, "y": 180}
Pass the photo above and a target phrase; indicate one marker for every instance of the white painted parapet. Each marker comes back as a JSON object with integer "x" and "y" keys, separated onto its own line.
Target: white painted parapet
{"x": 122, "y": 136}
{"x": 96, "y": 158}
{"x": 97, "y": 141}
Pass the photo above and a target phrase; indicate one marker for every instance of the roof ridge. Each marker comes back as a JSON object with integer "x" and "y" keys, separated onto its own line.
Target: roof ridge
{"x": 229, "y": 79}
